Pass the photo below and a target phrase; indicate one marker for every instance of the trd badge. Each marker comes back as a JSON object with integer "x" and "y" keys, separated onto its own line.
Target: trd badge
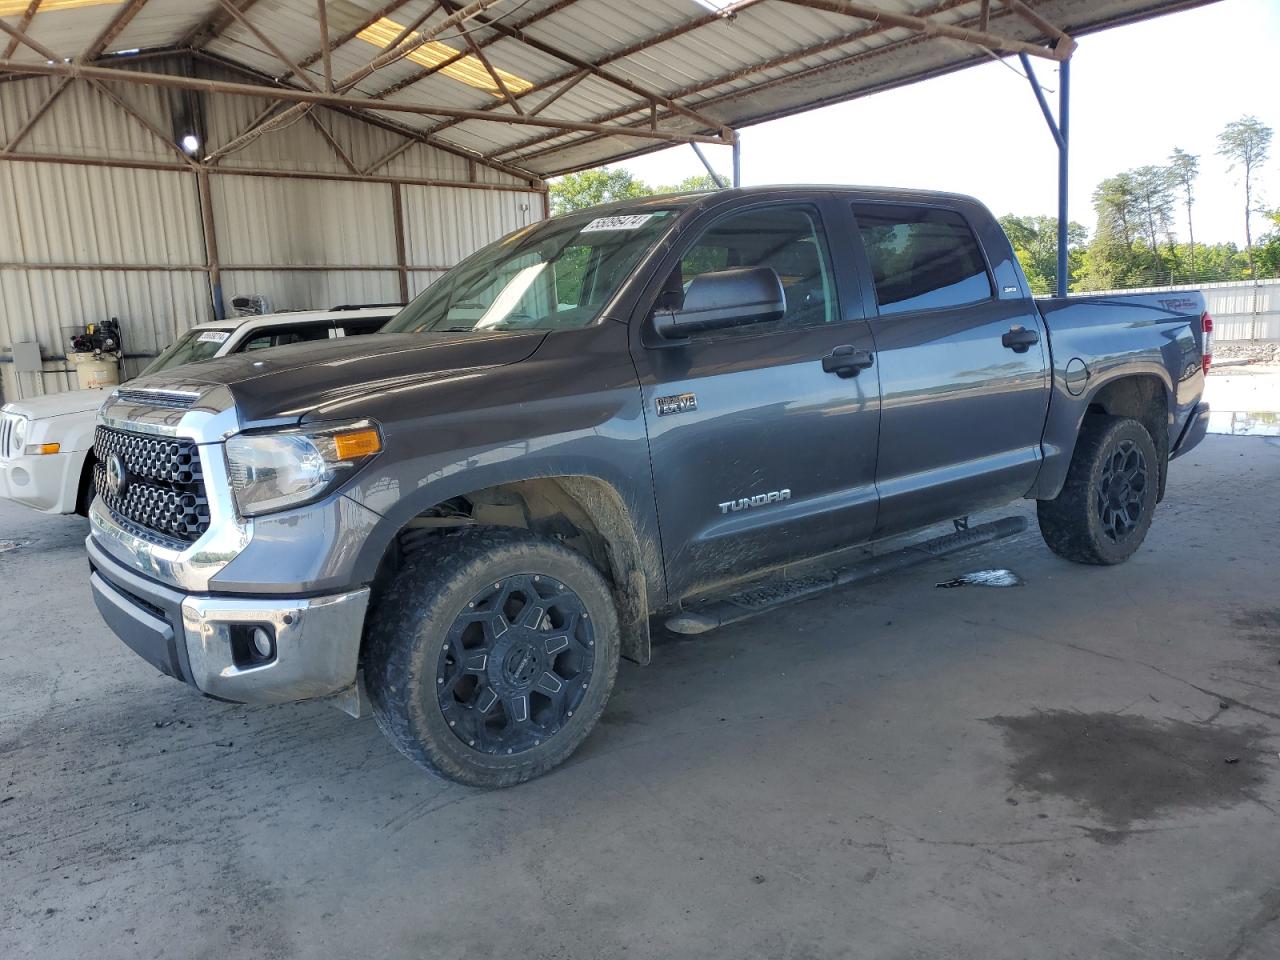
{"x": 680, "y": 403}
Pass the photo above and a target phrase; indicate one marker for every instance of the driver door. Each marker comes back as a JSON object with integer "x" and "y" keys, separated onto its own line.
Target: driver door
{"x": 759, "y": 455}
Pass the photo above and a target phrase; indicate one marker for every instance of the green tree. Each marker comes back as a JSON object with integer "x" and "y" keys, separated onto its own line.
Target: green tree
{"x": 1185, "y": 168}
{"x": 1115, "y": 200}
{"x": 1268, "y": 251}
{"x": 1246, "y": 143}
{"x": 1035, "y": 242}
{"x": 1153, "y": 192}
{"x": 574, "y": 191}
{"x": 700, "y": 181}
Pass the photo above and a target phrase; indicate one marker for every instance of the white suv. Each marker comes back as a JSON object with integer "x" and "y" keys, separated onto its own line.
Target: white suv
{"x": 46, "y": 443}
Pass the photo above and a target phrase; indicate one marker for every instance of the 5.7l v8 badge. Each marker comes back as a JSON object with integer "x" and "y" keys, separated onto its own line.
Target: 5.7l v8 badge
{"x": 680, "y": 403}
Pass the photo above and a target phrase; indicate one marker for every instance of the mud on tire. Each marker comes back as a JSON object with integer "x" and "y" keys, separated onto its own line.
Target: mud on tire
{"x": 491, "y": 656}
{"x": 1105, "y": 508}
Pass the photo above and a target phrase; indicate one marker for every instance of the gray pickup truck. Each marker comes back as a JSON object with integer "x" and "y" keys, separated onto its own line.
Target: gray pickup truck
{"x": 600, "y": 419}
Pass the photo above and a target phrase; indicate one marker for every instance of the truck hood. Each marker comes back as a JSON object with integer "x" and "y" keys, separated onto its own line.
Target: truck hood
{"x": 288, "y": 383}
{"x": 59, "y": 404}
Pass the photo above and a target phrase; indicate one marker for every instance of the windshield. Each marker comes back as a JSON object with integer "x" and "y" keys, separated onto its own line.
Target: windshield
{"x": 556, "y": 275}
{"x": 191, "y": 346}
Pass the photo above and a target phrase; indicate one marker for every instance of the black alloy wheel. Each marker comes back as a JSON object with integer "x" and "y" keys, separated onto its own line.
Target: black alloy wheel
{"x": 515, "y": 665}
{"x": 1121, "y": 491}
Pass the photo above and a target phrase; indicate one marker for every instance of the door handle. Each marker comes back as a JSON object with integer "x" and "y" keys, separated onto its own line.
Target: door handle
{"x": 1020, "y": 339}
{"x": 845, "y": 362}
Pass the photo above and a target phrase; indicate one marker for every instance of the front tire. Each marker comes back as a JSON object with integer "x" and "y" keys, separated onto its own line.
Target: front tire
{"x": 1105, "y": 508}
{"x": 492, "y": 655}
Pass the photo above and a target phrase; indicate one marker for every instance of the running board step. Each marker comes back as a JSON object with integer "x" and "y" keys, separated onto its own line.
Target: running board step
{"x": 740, "y": 606}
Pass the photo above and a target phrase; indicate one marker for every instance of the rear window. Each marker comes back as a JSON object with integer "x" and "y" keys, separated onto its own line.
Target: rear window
{"x": 922, "y": 258}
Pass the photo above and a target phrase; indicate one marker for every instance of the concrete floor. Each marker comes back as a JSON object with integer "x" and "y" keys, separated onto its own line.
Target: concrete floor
{"x": 1084, "y": 766}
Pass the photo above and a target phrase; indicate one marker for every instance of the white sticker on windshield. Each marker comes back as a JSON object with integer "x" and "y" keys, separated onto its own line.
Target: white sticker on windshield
{"x": 213, "y": 336}
{"x": 633, "y": 222}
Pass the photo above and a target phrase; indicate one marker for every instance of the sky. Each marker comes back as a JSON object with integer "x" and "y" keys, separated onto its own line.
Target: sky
{"x": 1136, "y": 93}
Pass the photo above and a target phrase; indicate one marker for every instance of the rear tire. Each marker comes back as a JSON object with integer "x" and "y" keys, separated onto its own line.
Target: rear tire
{"x": 1105, "y": 508}
{"x": 491, "y": 656}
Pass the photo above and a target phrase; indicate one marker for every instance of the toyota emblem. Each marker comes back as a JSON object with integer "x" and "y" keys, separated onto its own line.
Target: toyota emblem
{"x": 117, "y": 475}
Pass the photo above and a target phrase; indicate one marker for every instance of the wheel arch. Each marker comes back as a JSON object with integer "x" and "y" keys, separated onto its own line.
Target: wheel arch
{"x": 585, "y": 513}
{"x": 1141, "y": 393}
{"x": 84, "y": 484}
{"x": 1143, "y": 397}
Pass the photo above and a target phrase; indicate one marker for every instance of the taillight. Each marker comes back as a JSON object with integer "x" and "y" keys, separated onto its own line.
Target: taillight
{"x": 1206, "y": 352}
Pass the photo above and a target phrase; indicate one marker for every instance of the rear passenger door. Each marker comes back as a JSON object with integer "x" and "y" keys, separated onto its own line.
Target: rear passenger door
{"x": 963, "y": 376}
{"x": 760, "y": 455}
{"x": 283, "y": 336}
{"x": 360, "y": 326}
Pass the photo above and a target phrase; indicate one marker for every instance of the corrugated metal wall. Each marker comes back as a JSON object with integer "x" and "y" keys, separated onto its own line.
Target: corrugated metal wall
{"x": 1240, "y": 310}
{"x": 81, "y": 244}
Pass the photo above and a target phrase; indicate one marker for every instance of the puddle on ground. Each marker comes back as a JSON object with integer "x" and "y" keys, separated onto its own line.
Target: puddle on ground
{"x": 1240, "y": 423}
{"x": 1124, "y": 768}
{"x": 8, "y": 545}
{"x": 984, "y": 578}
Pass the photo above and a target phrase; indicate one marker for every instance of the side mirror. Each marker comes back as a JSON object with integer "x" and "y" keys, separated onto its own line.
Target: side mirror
{"x": 726, "y": 298}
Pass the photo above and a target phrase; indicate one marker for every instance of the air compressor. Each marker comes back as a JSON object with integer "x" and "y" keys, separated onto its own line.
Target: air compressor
{"x": 96, "y": 353}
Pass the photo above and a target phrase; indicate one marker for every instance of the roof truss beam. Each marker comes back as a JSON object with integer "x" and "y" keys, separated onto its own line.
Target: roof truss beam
{"x": 23, "y": 22}
{"x": 272, "y": 47}
{"x": 21, "y": 133}
{"x": 596, "y": 70}
{"x": 694, "y": 89}
{"x": 404, "y": 44}
{"x": 211, "y": 27}
{"x": 334, "y": 43}
{"x": 462, "y": 54}
{"x": 113, "y": 29}
{"x": 1061, "y": 40}
{"x": 645, "y": 44}
{"x": 303, "y": 98}
{"x": 414, "y": 136}
{"x": 22, "y": 37}
{"x": 933, "y": 28}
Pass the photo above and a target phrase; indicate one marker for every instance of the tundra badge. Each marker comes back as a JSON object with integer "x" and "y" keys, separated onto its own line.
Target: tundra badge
{"x": 759, "y": 500}
{"x": 680, "y": 403}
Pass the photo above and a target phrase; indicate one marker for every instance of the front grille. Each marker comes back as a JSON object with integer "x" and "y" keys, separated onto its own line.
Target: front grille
{"x": 8, "y": 424}
{"x": 164, "y": 489}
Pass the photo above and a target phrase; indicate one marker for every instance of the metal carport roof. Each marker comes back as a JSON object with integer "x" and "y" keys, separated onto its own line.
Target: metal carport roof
{"x": 541, "y": 87}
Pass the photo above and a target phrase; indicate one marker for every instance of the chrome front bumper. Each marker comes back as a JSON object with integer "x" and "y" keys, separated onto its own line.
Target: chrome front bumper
{"x": 317, "y": 639}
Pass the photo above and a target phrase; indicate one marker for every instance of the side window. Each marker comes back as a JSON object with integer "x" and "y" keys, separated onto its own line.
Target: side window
{"x": 922, "y": 258}
{"x": 358, "y": 327}
{"x": 283, "y": 336}
{"x": 789, "y": 239}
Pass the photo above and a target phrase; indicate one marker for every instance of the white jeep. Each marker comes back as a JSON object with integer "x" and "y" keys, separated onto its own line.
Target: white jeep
{"x": 46, "y": 443}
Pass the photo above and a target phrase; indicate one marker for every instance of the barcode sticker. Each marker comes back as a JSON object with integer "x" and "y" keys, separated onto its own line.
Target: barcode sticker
{"x": 213, "y": 336}
{"x": 633, "y": 222}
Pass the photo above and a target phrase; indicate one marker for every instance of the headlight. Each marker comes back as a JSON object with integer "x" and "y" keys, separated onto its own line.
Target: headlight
{"x": 272, "y": 471}
{"x": 18, "y": 437}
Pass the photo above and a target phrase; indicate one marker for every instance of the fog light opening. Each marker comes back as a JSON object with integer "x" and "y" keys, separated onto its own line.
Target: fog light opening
{"x": 252, "y": 644}
{"x": 263, "y": 644}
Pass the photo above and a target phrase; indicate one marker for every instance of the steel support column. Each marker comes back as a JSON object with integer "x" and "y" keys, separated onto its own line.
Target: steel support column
{"x": 715, "y": 177}
{"x": 1064, "y": 144}
{"x": 1060, "y": 129}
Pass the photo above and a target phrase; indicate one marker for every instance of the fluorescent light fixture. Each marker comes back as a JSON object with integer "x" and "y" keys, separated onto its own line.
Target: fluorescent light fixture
{"x": 190, "y": 143}
{"x": 11, "y": 8}
{"x": 468, "y": 69}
